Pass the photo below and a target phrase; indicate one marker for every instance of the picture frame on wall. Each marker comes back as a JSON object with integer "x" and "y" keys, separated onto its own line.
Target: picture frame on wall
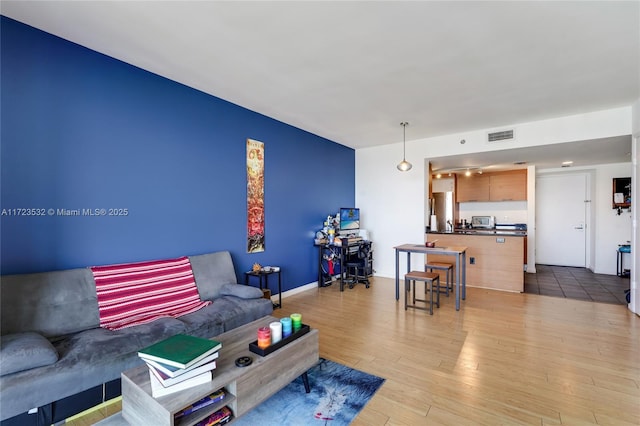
{"x": 255, "y": 196}
{"x": 621, "y": 192}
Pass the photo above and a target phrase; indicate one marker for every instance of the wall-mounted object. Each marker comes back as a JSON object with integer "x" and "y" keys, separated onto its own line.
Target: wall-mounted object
{"x": 255, "y": 196}
{"x": 621, "y": 193}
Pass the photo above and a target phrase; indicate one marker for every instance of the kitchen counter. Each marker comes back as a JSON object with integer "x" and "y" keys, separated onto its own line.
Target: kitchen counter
{"x": 495, "y": 258}
{"x": 509, "y": 232}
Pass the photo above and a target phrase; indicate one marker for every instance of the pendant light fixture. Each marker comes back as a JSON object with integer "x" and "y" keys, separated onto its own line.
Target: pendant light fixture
{"x": 404, "y": 165}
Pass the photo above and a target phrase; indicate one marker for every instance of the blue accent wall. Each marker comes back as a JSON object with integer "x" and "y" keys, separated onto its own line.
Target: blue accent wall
{"x": 81, "y": 130}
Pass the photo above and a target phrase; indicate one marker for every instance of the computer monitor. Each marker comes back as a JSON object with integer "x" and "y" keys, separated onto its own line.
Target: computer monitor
{"x": 349, "y": 220}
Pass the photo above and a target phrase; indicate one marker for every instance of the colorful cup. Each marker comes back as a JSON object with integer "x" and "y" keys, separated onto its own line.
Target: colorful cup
{"x": 296, "y": 320}
{"x": 276, "y": 332}
{"x": 286, "y": 327}
{"x": 264, "y": 337}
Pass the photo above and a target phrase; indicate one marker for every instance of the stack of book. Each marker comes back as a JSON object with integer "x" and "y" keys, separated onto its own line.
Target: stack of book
{"x": 180, "y": 362}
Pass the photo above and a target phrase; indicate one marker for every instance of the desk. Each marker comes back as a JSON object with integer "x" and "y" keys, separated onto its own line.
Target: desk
{"x": 343, "y": 251}
{"x": 460, "y": 253}
{"x": 265, "y": 275}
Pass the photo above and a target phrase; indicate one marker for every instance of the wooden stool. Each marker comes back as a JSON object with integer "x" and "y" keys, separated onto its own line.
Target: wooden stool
{"x": 428, "y": 278}
{"x": 442, "y": 266}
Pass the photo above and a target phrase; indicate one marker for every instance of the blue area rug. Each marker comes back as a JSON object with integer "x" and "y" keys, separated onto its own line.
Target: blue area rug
{"x": 338, "y": 393}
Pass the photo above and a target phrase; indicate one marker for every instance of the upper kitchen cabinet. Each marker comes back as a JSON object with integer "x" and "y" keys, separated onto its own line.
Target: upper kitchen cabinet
{"x": 508, "y": 186}
{"x": 472, "y": 188}
{"x": 498, "y": 186}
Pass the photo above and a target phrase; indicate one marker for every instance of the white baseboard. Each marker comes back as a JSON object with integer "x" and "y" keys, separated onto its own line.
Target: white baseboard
{"x": 274, "y": 298}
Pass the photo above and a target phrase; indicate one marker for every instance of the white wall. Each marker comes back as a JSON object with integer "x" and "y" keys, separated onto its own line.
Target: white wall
{"x": 504, "y": 211}
{"x": 393, "y": 202}
{"x": 634, "y": 306}
{"x": 611, "y": 229}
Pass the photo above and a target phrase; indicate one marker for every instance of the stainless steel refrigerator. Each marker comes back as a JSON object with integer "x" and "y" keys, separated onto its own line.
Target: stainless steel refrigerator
{"x": 442, "y": 208}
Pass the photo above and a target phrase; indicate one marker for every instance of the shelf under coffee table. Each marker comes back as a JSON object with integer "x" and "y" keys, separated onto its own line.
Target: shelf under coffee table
{"x": 246, "y": 387}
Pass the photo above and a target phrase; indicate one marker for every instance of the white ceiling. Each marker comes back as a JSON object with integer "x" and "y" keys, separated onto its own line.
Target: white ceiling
{"x": 352, "y": 71}
{"x": 580, "y": 154}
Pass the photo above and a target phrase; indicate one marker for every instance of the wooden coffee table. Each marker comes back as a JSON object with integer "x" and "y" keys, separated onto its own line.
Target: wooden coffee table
{"x": 246, "y": 387}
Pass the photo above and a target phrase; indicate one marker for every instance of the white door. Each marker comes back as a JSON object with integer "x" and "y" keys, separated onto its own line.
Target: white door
{"x": 561, "y": 219}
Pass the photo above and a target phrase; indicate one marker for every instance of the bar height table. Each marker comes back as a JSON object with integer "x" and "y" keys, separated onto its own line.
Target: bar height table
{"x": 460, "y": 254}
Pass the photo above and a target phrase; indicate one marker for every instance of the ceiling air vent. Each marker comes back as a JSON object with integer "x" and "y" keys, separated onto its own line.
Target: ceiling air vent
{"x": 500, "y": 136}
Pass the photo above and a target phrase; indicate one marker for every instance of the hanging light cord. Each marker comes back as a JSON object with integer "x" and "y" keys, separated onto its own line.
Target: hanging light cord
{"x": 404, "y": 140}
{"x": 404, "y": 164}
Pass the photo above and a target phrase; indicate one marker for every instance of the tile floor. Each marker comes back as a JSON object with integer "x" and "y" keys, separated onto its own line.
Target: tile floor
{"x": 576, "y": 283}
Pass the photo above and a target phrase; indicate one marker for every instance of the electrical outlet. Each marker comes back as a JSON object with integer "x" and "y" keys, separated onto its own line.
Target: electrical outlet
{"x": 472, "y": 261}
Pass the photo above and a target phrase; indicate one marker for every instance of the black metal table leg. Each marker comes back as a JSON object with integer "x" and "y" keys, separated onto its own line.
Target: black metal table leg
{"x": 342, "y": 267}
{"x": 305, "y": 380}
{"x": 279, "y": 290}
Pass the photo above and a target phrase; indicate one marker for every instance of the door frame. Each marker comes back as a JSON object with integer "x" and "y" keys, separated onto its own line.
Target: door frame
{"x": 589, "y": 207}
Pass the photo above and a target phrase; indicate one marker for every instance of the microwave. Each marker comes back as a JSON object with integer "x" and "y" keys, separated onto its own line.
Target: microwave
{"x": 485, "y": 222}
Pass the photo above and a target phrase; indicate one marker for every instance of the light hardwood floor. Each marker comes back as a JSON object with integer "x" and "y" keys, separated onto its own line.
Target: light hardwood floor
{"x": 503, "y": 359}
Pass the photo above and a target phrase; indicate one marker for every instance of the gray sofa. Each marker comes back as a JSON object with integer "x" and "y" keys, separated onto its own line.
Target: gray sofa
{"x": 52, "y": 346}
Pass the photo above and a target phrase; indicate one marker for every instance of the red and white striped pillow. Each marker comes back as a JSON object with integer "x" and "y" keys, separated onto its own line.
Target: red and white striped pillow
{"x": 138, "y": 293}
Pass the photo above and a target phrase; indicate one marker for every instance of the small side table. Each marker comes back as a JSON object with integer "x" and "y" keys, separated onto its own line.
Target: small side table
{"x": 263, "y": 282}
{"x": 623, "y": 248}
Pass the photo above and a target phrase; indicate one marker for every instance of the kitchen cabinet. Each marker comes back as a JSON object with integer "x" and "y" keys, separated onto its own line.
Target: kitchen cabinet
{"x": 472, "y": 188}
{"x": 499, "y": 186}
{"x": 508, "y": 186}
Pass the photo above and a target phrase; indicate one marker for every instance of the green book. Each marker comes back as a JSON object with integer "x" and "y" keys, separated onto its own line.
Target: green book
{"x": 180, "y": 351}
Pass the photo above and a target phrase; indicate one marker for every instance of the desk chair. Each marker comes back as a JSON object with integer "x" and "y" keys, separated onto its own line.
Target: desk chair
{"x": 358, "y": 265}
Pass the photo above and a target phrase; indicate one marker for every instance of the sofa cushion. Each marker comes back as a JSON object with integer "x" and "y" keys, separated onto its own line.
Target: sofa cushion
{"x": 137, "y": 293}
{"x": 241, "y": 291}
{"x": 212, "y": 271}
{"x": 87, "y": 359}
{"x": 50, "y": 303}
{"x": 23, "y": 351}
{"x": 226, "y": 313}
{"x": 100, "y": 345}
